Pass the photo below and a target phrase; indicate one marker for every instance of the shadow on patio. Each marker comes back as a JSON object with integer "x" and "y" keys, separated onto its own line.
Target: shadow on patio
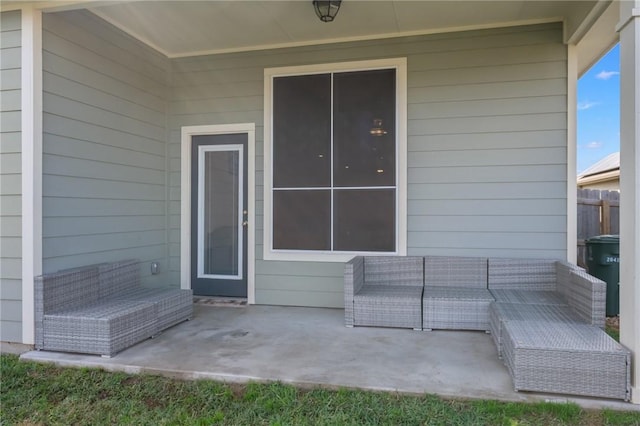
{"x": 311, "y": 347}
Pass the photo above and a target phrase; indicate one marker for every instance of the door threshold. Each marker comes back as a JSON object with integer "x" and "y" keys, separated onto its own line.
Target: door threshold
{"x": 232, "y": 302}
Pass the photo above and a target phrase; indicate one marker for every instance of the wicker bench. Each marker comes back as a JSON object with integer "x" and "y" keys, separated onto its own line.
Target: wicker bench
{"x": 103, "y": 309}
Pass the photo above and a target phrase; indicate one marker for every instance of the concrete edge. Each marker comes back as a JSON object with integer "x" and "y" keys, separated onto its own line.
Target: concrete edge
{"x": 14, "y": 348}
{"x": 111, "y": 366}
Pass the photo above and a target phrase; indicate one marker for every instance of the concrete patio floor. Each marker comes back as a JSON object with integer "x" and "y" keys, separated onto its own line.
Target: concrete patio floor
{"x": 311, "y": 347}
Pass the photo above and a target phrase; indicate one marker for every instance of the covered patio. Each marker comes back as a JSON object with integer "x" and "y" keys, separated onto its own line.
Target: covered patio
{"x": 105, "y": 102}
{"x": 311, "y": 347}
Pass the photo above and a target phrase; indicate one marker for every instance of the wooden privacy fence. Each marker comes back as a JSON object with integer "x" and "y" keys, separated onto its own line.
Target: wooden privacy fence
{"x": 598, "y": 214}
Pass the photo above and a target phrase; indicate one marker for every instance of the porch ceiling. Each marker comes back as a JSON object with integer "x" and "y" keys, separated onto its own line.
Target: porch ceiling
{"x": 185, "y": 28}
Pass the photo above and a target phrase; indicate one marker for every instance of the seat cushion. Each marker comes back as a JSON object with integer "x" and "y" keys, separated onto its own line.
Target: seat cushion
{"x": 462, "y": 293}
{"x": 456, "y": 308}
{"x": 173, "y": 305}
{"x": 395, "y": 306}
{"x": 382, "y": 294}
{"x": 104, "y": 328}
{"x": 502, "y": 312}
{"x": 529, "y": 297}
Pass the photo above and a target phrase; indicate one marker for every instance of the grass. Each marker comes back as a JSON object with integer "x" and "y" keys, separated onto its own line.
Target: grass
{"x": 613, "y": 332}
{"x": 33, "y": 394}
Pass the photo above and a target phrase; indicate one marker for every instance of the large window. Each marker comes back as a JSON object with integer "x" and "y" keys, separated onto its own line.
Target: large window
{"x": 333, "y": 143}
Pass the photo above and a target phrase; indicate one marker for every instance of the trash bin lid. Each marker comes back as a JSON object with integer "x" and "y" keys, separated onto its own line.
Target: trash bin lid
{"x": 604, "y": 239}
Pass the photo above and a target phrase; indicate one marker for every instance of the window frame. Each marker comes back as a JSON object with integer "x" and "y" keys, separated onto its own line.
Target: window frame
{"x": 400, "y": 65}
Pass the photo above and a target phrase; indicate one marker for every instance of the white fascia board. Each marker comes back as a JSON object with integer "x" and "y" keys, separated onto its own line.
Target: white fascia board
{"x": 55, "y": 5}
{"x": 587, "y": 23}
{"x": 600, "y": 177}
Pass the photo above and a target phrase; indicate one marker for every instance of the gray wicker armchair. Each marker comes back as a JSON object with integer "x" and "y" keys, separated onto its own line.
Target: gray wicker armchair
{"x": 384, "y": 292}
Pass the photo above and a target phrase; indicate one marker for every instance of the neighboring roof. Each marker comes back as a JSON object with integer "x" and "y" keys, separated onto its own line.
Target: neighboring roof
{"x": 605, "y": 170}
{"x": 609, "y": 163}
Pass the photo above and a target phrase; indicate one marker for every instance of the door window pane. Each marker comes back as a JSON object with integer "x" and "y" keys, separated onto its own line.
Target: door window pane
{"x": 364, "y": 131}
{"x": 220, "y": 215}
{"x": 302, "y": 220}
{"x": 302, "y": 131}
{"x": 364, "y": 220}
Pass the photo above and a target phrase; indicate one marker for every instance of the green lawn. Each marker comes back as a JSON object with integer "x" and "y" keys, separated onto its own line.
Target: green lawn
{"x": 42, "y": 394}
{"x": 613, "y": 332}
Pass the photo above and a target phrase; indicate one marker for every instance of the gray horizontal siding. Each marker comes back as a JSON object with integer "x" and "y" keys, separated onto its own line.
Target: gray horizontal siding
{"x": 486, "y": 140}
{"x": 489, "y": 107}
{"x": 85, "y": 75}
{"x": 289, "y": 297}
{"x": 85, "y": 225}
{"x": 487, "y": 159}
{"x": 11, "y": 330}
{"x": 10, "y": 99}
{"x": 104, "y": 164}
{"x": 488, "y": 223}
{"x": 487, "y": 191}
{"x": 10, "y": 178}
{"x": 492, "y": 174}
{"x": 472, "y": 207}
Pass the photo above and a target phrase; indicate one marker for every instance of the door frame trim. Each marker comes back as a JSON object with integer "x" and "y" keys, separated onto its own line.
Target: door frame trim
{"x": 187, "y": 132}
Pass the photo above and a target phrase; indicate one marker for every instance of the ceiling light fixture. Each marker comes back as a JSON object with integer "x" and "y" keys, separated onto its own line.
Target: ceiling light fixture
{"x": 326, "y": 9}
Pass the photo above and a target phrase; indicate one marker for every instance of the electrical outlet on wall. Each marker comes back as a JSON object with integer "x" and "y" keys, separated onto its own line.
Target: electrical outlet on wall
{"x": 155, "y": 268}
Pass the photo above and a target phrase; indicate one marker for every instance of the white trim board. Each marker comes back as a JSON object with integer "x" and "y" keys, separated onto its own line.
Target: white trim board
{"x": 55, "y": 5}
{"x": 185, "y": 202}
{"x": 572, "y": 141}
{"x": 31, "y": 126}
{"x": 400, "y": 64}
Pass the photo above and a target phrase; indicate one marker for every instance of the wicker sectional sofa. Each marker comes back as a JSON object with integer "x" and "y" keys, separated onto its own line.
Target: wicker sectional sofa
{"x": 545, "y": 316}
{"x": 102, "y": 309}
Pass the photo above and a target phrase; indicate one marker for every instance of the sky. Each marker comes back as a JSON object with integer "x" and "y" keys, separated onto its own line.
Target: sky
{"x": 599, "y": 110}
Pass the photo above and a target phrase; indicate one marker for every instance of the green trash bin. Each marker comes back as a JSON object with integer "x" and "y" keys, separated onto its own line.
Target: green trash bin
{"x": 603, "y": 261}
